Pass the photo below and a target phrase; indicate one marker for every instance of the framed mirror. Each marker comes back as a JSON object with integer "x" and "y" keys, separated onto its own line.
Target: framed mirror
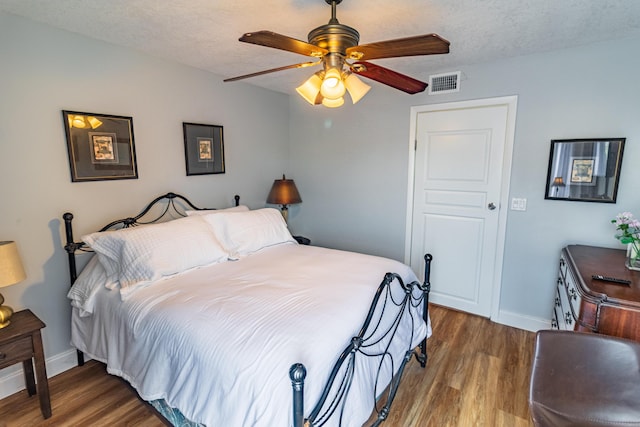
{"x": 585, "y": 170}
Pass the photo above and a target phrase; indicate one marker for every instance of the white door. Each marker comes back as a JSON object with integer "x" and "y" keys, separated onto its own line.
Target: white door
{"x": 461, "y": 167}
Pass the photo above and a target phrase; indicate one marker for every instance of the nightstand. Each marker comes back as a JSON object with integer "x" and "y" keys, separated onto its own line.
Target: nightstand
{"x": 21, "y": 342}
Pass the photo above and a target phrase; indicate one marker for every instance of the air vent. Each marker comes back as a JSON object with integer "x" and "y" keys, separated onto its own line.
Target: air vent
{"x": 444, "y": 83}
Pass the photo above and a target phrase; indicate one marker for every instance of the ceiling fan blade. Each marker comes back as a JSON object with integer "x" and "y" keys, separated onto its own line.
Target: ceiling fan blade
{"x": 273, "y": 70}
{"x": 388, "y": 77}
{"x": 278, "y": 41}
{"x": 428, "y": 44}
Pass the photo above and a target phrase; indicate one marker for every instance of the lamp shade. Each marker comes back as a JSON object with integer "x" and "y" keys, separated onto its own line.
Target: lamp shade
{"x": 77, "y": 121}
{"x": 94, "y": 122}
{"x": 356, "y": 87}
{"x": 332, "y": 86}
{"x": 558, "y": 182}
{"x": 11, "y": 269}
{"x": 310, "y": 89}
{"x": 333, "y": 103}
{"x": 284, "y": 192}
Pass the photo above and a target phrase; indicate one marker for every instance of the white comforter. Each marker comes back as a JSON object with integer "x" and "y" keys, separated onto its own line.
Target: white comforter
{"x": 217, "y": 342}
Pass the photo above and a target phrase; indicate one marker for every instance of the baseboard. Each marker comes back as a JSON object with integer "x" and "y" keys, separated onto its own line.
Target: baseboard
{"x": 528, "y": 323}
{"x": 13, "y": 381}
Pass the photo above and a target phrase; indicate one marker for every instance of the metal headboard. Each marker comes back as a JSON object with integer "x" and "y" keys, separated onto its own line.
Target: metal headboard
{"x": 171, "y": 204}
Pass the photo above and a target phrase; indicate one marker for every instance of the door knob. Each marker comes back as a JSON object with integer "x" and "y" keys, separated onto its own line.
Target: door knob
{"x": 491, "y": 206}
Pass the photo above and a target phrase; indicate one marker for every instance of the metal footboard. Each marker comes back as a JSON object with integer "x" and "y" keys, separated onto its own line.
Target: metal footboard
{"x": 373, "y": 333}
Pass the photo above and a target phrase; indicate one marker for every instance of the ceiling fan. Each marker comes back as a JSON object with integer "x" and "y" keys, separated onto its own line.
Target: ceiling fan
{"x": 335, "y": 46}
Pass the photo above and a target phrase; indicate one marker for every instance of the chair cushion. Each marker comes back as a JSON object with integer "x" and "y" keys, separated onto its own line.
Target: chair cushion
{"x": 584, "y": 379}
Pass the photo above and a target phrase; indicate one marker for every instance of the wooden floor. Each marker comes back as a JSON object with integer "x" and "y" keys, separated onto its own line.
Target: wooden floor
{"x": 477, "y": 375}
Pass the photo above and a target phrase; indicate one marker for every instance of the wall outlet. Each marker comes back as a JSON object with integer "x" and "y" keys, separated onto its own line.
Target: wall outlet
{"x": 518, "y": 204}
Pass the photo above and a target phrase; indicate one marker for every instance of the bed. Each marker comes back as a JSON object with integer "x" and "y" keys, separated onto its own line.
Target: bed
{"x": 220, "y": 317}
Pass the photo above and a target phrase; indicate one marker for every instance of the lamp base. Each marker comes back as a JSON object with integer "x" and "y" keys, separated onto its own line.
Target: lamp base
{"x": 5, "y": 313}
{"x": 285, "y": 213}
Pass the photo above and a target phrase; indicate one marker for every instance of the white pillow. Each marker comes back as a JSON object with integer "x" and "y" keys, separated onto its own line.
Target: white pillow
{"x": 242, "y": 233}
{"x": 239, "y": 208}
{"x": 88, "y": 283}
{"x": 138, "y": 256}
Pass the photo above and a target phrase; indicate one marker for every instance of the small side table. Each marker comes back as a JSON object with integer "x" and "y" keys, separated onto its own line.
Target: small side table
{"x": 21, "y": 342}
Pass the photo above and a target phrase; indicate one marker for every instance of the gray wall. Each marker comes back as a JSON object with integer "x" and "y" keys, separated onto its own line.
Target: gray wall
{"x": 351, "y": 165}
{"x": 45, "y": 71}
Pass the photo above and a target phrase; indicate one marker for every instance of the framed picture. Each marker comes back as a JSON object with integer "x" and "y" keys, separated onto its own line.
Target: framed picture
{"x": 582, "y": 171}
{"x": 100, "y": 146}
{"x": 203, "y": 148}
{"x": 586, "y": 170}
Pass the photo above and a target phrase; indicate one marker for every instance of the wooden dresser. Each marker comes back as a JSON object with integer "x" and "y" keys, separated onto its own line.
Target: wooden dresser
{"x": 585, "y": 304}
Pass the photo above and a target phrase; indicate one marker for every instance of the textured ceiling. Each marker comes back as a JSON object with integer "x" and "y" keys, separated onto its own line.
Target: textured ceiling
{"x": 204, "y": 33}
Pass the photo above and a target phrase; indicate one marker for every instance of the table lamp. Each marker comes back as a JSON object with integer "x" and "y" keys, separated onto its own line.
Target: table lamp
{"x": 284, "y": 192}
{"x": 11, "y": 272}
{"x": 557, "y": 183}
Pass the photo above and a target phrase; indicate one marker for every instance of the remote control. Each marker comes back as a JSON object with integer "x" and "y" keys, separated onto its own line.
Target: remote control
{"x": 611, "y": 279}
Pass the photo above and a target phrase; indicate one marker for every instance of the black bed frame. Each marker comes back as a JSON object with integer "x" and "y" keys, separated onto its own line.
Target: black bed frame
{"x": 333, "y": 398}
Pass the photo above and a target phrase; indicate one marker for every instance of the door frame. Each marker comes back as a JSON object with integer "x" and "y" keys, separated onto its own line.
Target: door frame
{"x": 511, "y": 102}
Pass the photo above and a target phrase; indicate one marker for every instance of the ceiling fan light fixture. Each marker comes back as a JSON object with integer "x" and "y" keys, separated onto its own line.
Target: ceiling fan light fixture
{"x": 335, "y": 43}
{"x": 356, "y": 87}
{"x": 94, "y": 122}
{"x": 332, "y": 86}
{"x": 333, "y": 103}
{"x": 78, "y": 121}
{"x": 310, "y": 89}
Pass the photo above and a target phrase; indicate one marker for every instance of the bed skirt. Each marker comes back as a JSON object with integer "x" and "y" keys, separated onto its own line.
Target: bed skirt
{"x": 173, "y": 415}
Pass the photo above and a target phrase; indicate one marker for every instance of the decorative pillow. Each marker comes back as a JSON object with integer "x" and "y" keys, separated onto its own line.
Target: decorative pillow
{"x": 91, "y": 279}
{"x": 239, "y": 208}
{"x": 138, "y": 256}
{"x": 242, "y": 233}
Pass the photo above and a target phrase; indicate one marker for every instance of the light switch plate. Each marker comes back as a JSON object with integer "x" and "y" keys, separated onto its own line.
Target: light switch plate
{"x": 518, "y": 204}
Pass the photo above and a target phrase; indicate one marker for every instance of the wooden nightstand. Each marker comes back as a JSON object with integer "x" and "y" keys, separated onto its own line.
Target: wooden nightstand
{"x": 20, "y": 342}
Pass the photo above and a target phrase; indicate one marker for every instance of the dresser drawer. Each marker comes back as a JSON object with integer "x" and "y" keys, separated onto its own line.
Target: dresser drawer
{"x": 565, "y": 312}
{"x": 562, "y": 318}
{"x": 573, "y": 296}
{"x": 563, "y": 267}
{"x": 15, "y": 351}
{"x": 555, "y": 315}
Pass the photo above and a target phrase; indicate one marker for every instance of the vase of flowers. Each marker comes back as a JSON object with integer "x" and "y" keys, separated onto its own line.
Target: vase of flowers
{"x": 629, "y": 233}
